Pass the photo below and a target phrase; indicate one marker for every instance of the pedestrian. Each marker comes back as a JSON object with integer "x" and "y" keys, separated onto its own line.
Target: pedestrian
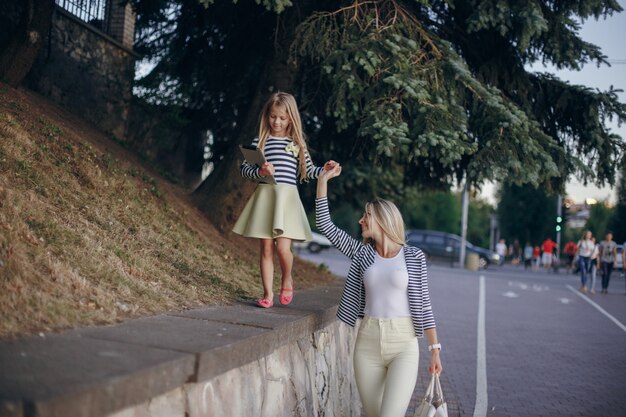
{"x": 608, "y": 255}
{"x": 274, "y": 214}
{"x": 556, "y": 259}
{"x": 387, "y": 288}
{"x": 516, "y": 253}
{"x": 528, "y": 255}
{"x": 594, "y": 265}
{"x": 547, "y": 248}
{"x": 501, "y": 251}
{"x": 570, "y": 251}
{"x": 584, "y": 248}
{"x": 536, "y": 258}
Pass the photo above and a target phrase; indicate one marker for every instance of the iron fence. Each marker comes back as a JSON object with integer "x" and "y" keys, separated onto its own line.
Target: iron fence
{"x": 92, "y": 12}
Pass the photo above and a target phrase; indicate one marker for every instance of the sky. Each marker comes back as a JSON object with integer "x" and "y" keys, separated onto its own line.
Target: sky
{"x": 610, "y": 36}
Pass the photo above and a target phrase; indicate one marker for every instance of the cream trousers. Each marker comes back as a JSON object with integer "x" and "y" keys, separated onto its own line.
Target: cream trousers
{"x": 386, "y": 357}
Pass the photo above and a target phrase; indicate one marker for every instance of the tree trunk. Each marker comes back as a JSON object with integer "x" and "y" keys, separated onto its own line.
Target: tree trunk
{"x": 26, "y": 41}
{"x": 224, "y": 193}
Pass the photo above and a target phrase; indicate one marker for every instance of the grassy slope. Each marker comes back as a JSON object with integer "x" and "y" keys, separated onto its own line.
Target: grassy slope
{"x": 90, "y": 236}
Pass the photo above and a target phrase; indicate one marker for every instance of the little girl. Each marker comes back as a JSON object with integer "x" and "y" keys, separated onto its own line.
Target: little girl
{"x": 274, "y": 214}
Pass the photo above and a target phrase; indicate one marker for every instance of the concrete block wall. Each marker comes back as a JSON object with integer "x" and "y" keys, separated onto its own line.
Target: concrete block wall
{"x": 238, "y": 360}
{"x": 312, "y": 377}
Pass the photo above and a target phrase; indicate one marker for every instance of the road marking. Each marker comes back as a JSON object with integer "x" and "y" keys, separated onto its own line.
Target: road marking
{"x": 510, "y": 294}
{"x": 480, "y": 408}
{"x": 520, "y": 285}
{"x": 565, "y": 300}
{"x": 600, "y": 309}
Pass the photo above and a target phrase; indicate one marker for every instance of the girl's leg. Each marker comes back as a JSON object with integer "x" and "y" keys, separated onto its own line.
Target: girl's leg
{"x": 285, "y": 257}
{"x": 267, "y": 267}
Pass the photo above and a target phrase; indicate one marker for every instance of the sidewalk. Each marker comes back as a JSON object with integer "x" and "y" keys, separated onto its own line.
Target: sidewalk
{"x": 101, "y": 370}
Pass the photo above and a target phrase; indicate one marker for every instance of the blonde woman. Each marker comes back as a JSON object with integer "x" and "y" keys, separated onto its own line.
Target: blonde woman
{"x": 584, "y": 250}
{"x": 274, "y": 214}
{"x": 387, "y": 288}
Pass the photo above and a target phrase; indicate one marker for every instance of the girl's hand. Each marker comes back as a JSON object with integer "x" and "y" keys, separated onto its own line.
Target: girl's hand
{"x": 329, "y": 165}
{"x": 435, "y": 363}
{"x": 266, "y": 169}
{"x": 333, "y": 172}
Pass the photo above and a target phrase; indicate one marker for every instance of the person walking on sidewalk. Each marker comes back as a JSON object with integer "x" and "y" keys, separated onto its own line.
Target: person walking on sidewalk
{"x": 274, "y": 213}
{"x": 547, "y": 248}
{"x": 594, "y": 265}
{"x": 387, "y": 288}
{"x": 570, "y": 251}
{"x": 501, "y": 251}
{"x": 584, "y": 249}
{"x": 608, "y": 255}
{"x": 528, "y": 255}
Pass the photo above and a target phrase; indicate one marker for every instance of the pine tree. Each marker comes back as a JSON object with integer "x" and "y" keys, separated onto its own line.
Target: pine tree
{"x": 404, "y": 93}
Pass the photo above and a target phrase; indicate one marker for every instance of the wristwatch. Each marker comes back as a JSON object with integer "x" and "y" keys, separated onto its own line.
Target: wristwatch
{"x": 434, "y": 346}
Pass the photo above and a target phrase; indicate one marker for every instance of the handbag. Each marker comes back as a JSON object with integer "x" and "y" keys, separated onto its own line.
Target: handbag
{"x": 433, "y": 403}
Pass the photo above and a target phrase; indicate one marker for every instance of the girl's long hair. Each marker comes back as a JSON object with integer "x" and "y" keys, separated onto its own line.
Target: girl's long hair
{"x": 295, "y": 131}
{"x": 388, "y": 217}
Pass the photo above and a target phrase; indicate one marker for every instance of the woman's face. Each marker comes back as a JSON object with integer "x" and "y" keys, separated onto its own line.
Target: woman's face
{"x": 587, "y": 235}
{"x": 279, "y": 121}
{"x": 369, "y": 229}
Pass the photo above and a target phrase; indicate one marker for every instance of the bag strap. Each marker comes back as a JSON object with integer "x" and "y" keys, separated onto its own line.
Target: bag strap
{"x": 438, "y": 392}
{"x": 430, "y": 390}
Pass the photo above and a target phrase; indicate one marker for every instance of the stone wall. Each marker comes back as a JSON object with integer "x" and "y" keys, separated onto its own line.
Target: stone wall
{"x": 87, "y": 72}
{"x": 312, "y": 377}
{"x": 226, "y": 361}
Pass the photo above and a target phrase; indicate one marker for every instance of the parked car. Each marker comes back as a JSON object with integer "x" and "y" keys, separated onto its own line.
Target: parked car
{"x": 318, "y": 243}
{"x": 446, "y": 246}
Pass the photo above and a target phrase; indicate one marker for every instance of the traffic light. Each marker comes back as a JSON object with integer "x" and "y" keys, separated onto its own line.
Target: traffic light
{"x": 559, "y": 223}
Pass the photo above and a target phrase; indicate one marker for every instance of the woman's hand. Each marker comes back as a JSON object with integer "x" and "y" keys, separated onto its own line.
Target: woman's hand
{"x": 266, "y": 169}
{"x": 322, "y": 179}
{"x": 435, "y": 363}
{"x": 332, "y": 172}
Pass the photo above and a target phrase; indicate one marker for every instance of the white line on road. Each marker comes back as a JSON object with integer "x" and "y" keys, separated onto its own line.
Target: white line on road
{"x": 480, "y": 408}
{"x": 600, "y": 309}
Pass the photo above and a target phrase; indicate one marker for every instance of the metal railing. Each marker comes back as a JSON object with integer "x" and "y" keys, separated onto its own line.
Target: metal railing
{"x": 93, "y": 12}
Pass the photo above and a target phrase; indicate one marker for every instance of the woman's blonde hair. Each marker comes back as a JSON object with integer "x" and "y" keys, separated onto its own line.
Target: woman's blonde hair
{"x": 295, "y": 131}
{"x": 388, "y": 217}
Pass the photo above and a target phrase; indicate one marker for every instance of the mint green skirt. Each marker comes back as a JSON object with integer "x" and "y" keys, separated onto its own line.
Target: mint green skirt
{"x": 274, "y": 211}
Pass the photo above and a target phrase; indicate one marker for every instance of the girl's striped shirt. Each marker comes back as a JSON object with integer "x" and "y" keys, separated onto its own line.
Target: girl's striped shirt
{"x": 285, "y": 163}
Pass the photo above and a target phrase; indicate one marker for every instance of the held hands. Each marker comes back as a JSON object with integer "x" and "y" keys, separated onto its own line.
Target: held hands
{"x": 266, "y": 169}
{"x": 329, "y": 165}
{"x": 332, "y": 169}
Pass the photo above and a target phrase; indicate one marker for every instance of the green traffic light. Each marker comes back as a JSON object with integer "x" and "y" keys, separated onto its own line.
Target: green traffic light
{"x": 558, "y": 228}
{"x": 559, "y": 219}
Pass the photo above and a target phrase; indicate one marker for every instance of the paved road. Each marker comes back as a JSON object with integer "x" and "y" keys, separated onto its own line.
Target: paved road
{"x": 547, "y": 349}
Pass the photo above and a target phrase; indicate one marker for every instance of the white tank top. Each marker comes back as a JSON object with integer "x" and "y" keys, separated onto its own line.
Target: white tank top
{"x": 386, "y": 287}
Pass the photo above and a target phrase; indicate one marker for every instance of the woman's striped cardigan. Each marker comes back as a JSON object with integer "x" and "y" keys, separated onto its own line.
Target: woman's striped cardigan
{"x": 352, "y": 303}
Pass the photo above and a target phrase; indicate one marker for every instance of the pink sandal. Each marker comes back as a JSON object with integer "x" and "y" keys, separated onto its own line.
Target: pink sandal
{"x": 264, "y": 302}
{"x": 286, "y": 299}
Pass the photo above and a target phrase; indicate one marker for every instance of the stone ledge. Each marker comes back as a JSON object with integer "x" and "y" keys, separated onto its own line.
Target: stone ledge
{"x": 96, "y": 371}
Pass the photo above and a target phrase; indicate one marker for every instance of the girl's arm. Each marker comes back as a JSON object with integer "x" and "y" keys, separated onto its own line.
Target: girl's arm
{"x": 342, "y": 240}
{"x": 312, "y": 171}
{"x": 250, "y": 171}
